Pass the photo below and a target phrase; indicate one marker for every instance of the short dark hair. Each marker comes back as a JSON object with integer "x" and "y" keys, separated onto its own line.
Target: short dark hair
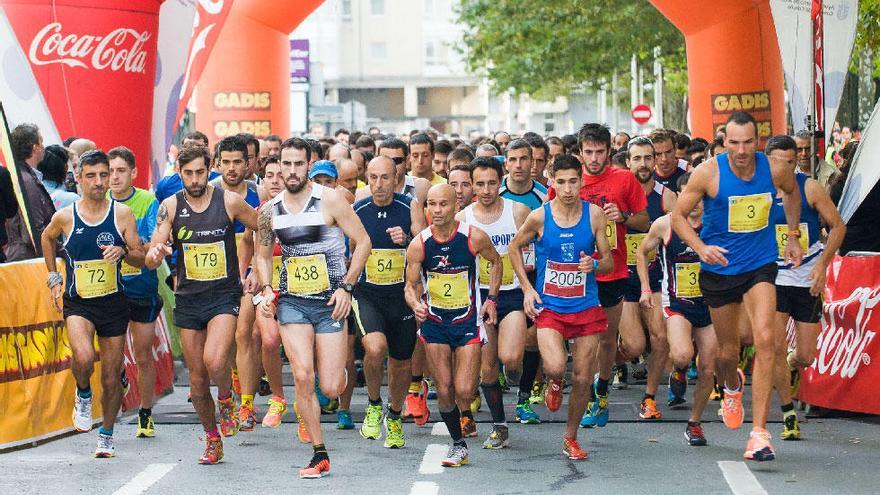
{"x": 554, "y": 140}
{"x": 23, "y": 138}
{"x": 682, "y": 142}
{"x": 53, "y": 166}
{"x": 443, "y": 147}
{"x": 365, "y": 140}
{"x": 518, "y": 144}
{"x": 298, "y": 144}
{"x": 233, "y": 143}
{"x": 463, "y": 154}
{"x": 460, "y": 168}
{"x": 487, "y": 162}
{"x": 536, "y": 141}
{"x": 661, "y": 136}
{"x": 781, "y": 142}
{"x": 124, "y": 153}
{"x": 395, "y": 144}
{"x": 422, "y": 138}
{"x": 569, "y": 141}
{"x": 342, "y": 130}
{"x": 741, "y": 118}
{"x": 315, "y": 146}
{"x": 594, "y": 133}
{"x": 190, "y": 153}
{"x": 274, "y": 138}
{"x": 619, "y": 158}
{"x": 69, "y": 140}
{"x": 683, "y": 180}
{"x": 696, "y": 147}
{"x": 639, "y": 141}
{"x": 92, "y": 157}
{"x": 251, "y": 139}
{"x": 566, "y": 162}
{"x": 197, "y": 136}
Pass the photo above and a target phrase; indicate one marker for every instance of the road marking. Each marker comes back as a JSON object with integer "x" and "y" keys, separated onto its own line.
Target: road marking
{"x": 440, "y": 429}
{"x": 740, "y": 478}
{"x": 434, "y": 453}
{"x": 145, "y": 479}
{"x": 424, "y": 488}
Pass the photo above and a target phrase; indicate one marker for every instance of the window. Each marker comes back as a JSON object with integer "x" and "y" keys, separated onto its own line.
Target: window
{"x": 549, "y": 123}
{"x": 377, "y": 7}
{"x": 378, "y": 51}
{"x": 422, "y": 96}
{"x": 430, "y": 53}
{"x": 346, "y": 9}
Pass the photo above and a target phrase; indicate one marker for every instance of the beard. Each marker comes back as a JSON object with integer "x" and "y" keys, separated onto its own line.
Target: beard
{"x": 644, "y": 175}
{"x": 295, "y": 188}
{"x": 197, "y": 191}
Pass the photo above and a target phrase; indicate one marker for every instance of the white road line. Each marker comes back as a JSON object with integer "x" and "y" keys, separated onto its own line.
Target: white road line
{"x": 440, "y": 429}
{"x": 434, "y": 453}
{"x": 740, "y": 478}
{"x": 424, "y": 488}
{"x": 145, "y": 479}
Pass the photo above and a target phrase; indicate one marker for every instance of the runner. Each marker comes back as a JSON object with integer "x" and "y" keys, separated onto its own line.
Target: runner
{"x": 667, "y": 168}
{"x": 198, "y": 223}
{"x": 500, "y": 218}
{"x": 737, "y": 249}
{"x": 687, "y": 316}
{"x": 141, "y": 285}
{"x": 391, "y": 220}
{"x": 99, "y": 234}
{"x": 315, "y": 287}
{"x": 519, "y": 185}
{"x": 422, "y": 159}
{"x": 799, "y": 290}
{"x": 441, "y": 288}
{"x": 460, "y": 179}
{"x": 414, "y": 187}
{"x": 565, "y": 299}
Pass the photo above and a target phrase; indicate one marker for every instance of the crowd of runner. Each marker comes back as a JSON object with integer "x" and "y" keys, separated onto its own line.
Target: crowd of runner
{"x": 450, "y": 265}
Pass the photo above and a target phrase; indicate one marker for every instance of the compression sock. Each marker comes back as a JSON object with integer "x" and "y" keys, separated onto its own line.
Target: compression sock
{"x": 531, "y": 360}
{"x": 452, "y": 419}
{"x": 495, "y": 400}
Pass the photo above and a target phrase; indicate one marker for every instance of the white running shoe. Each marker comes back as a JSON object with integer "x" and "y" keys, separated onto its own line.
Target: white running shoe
{"x": 105, "y": 447}
{"x": 82, "y": 413}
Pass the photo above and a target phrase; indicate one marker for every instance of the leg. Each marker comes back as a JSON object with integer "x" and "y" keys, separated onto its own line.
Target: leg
{"x": 398, "y": 382}
{"x": 111, "y": 367}
{"x": 193, "y": 344}
{"x": 512, "y": 336}
{"x": 246, "y": 353}
{"x": 781, "y": 371}
{"x": 467, "y": 372}
{"x": 219, "y": 338}
{"x": 270, "y": 337}
{"x": 707, "y": 348}
{"x": 760, "y": 303}
{"x": 439, "y": 359}
{"x": 681, "y": 348}
{"x": 530, "y": 365}
{"x": 375, "y": 349}
{"x": 142, "y": 335}
{"x": 659, "y": 345}
{"x": 553, "y": 354}
{"x": 805, "y": 348}
{"x": 632, "y": 334}
{"x": 608, "y": 342}
{"x": 345, "y": 398}
{"x": 725, "y": 319}
{"x": 299, "y": 344}
{"x": 81, "y": 334}
{"x": 583, "y": 353}
{"x": 331, "y": 350}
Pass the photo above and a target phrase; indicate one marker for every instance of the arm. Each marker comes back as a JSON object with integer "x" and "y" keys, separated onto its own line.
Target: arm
{"x": 130, "y": 234}
{"x": 344, "y": 216}
{"x": 416, "y": 218}
{"x": 239, "y": 210}
{"x": 821, "y": 202}
{"x": 413, "y": 290}
{"x": 659, "y": 230}
{"x": 47, "y": 240}
{"x": 783, "y": 178}
{"x": 598, "y": 221}
{"x": 422, "y": 186}
{"x": 669, "y": 198}
{"x": 263, "y": 259}
{"x": 159, "y": 245}
{"x": 698, "y": 186}
{"x": 483, "y": 247}
{"x": 245, "y": 253}
{"x": 639, "y": 221}
{"x": 530, "y": 228}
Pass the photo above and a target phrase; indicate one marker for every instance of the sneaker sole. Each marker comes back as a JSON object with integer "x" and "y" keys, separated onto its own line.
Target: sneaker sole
{"x": 209, "y": 463}
{"x": 792, "y": 438}
{"x": 369, "y": 437}
{"x": 650, "y": 418}
{"x": 451, "y": 465}
{"x": 104, "y": 456}
{"x": 504, "y": 444}
{"x": 701, "y": 443}
{"x": 344, "y": 427}
{"x": 141, "y": 434}
{"x": 575, "y": 458}
{"x": 762, "y": 455}
{"x": 530, "y": 421}
{"x": 394, "y": 446}
{"x": 313, "y": 476}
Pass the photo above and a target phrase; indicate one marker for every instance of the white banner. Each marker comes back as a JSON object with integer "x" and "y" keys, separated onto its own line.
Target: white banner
{"x": 864, "y": 171}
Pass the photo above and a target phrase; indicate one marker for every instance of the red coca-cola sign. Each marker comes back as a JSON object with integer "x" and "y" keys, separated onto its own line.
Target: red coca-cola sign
{"x": 95, "y": 64}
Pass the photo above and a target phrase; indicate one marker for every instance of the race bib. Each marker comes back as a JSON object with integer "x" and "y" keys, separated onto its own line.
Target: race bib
{"x": 486, "y": 271}
{"x": 276, "y": 272}
{"x": 205, "y": 262}
{"x": 307, "y": 275}
{"x": 633, "y": 242}
{"x": 782, "y": 238}
{"x": 687, "y": 280}
{"x": 385, "y": 266}
{"x": 94, "y": 278}
{"x": 128, "y": 271}
{"x": 611, "y": 234}
{"x": 564, "y": 280}
{"x": 448, "y": 290}
{"x": 748, "y": 213}
{"x": 528, "y": 255}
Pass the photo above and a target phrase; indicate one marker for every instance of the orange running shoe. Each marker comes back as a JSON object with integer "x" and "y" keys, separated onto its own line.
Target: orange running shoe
{"x": 758, "y": 447}
{"x": 317, "y": 468}
{"x": 228, "y": 421}
{"x": 277, "y": 410}
{"x": 236, "y": 383}
{"x": 421, "y": 414}
{"x": 732, "y": 405}
{"x": 573, "y": 450}
{"x": 553, "y": 399}
{"x": 410, "y": 405}
{"x": 213, "y": 451}
{"x": 468, "y": 427}
{"x": 301, "y": 432}
{"x": 247, "y": 418}
{"x": 648, "y": 410}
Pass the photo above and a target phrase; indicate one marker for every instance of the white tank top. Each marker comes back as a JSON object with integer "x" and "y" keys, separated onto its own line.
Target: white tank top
{"x": 501, "y": 233}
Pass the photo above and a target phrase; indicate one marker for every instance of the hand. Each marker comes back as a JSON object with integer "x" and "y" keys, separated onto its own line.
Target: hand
{"x": 794, "y": 254}
{"x": 251, "y": 284}
{"x": 158, "y": 252}
{"x": 817, "y": 279}
{"x": 421, "y": 312}
{"x": 342, "y": 302}
{"x": 532, "y": 303}
{"x": 585, "y": 264}
{"x": 398, "y": 236}
{"x": 613, "y": 212}
{"x": 489, "y": 313}
{"x": 646, "y": 301}
{"x": 55, "y": 292}
{"x": 713, "y": 255}
{"x": 113, "y": 253}
{"x": 266, "y": 306}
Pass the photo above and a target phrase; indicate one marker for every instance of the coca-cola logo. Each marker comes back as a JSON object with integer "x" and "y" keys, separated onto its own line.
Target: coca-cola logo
{"x": 120, "y": 50}
{"x": 845, "y": 333}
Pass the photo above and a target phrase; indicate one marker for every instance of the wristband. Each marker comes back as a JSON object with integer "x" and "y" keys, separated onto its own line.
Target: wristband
{"x": 647, "y": 291}
{"x": 794, "y": 233}
{"x": 264, "y": 288}
{"x": 54, "y": 279}
{"x": 595, "y": 264}
{"x": 492, "y": 299}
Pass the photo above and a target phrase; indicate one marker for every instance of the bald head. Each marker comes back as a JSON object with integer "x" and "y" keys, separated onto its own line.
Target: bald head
{"x": 441, "y": 191}
{"x": 382, "y": 179}
{"x": 442, "y": 205}
{"x": 348, "y": 174}
{"x": 338, "y": 151}
{"x": 82, "y": 145}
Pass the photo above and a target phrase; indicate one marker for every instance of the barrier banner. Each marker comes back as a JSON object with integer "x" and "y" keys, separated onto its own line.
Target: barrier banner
{"x": 843, "y": 375}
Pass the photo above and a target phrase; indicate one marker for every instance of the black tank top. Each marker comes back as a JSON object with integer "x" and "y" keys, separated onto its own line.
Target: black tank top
{"x": 207, "y": 259}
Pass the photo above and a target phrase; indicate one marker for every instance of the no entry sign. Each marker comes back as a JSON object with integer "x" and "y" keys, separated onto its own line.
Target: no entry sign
{"x": 641, "y": 114}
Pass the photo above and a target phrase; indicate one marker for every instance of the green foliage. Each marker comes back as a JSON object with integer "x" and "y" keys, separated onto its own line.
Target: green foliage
{"x": 867, "y": 34}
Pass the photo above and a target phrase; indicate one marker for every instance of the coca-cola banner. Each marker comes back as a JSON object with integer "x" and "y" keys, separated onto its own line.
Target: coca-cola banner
{"x": 95, "y": 63}
{"x": 845, "y": 374}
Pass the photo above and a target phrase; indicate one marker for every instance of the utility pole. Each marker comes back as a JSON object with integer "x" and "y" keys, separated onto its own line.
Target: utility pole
{"x": 633, "y": 90}
{"x": 658, "y": 87}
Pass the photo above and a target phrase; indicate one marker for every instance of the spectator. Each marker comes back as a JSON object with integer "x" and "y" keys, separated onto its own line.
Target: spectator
{"x": 861, "y": 229}
{"x": 53, "y": 166}
{"x": 8, "y": 207}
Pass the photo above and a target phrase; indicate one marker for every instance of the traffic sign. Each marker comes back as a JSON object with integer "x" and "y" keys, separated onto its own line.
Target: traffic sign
{"x": 641, "y": 114}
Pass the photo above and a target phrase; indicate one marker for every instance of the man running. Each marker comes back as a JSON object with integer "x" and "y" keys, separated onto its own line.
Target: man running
{"x": 310, "y": 222}
{"x": 198, "y": 223}
{"x": 738, "y": 252}
{"x": 141, "y": 284}
{"x": 565, "y": 299}
{"x": 500, "y": 218}
{"x": 799, "y": 289}
{"x": 667, "y": 168}
{"x": 392, "y": 220}
{"x": 414, "y": 187}
{"x": 460, "y": 179}
{"x": 422, "y": 159}
{"x": 442, "y": 289}
{"x": 99, "y": 234}
{"x": 687, "y": 316}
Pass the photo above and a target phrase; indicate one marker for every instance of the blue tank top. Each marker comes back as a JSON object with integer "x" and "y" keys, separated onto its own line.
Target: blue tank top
{"x": 671, "y": 180}
{"x": 681, "y": 272}
{"x": 810, "y": 239}
{"x": 252, "y": 198}
{"x": 88, "y": 275}
{"x": 449, "y": 275}
{"x": 385, "y": 269}
{"x": 634, "y": 238}
{"x": 738, "y": 218}
{"x": 561, "y": 286}
{"x": 533, "y": 198}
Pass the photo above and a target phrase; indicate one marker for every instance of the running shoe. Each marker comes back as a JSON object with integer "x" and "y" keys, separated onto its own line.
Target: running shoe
{"x": 640, "y": 369}
{"x": 422, "y": 414}
{"x": 498, "y": 439}
{"x": 301, "y": 432}
{"x": 360, "y": 378}
{"x": 715, "y": 394}
{"x": 456, "y": 457}
{"x": 692, "y": 371}
{"x": 525, "y": 415}
{"x": 328, "y": 405}
{"x": 573, "y": 450}
{"x": 672, "y": 401}
{"x": 432, "y": 388}
{"x": 343, "y": 420}
{"x": 597, "y": 414}
{"x": 468, "y": 427}
{"x": 795, "y": 375}
{"x": 746, "y": 357}
{"x": 228, "y": 421}
{"x": 732, "y": 406}
{"x": 145, "y": 427}
{"x": 82, "y": 413}
{"x": 648, "y": 409}
{"x": 105, "y": 447}
{"x": 411, "y": 404}
{"x": 264, "y": 389}
{"x": 123, "y": 379}
{"x": 677, "y": 388}
{"x": 213, "y": 451}
{"x": 371, "y": 428}
{"x": 758, "y": 448}
{"x": 621, "y": 377}
{"x": 553, "y": 398}
{"x": 276, "y": 412}
{"x": 247, "y": 419}
{"x": 502, "y": 381}
{"x": 236, "y": 383}
{"x": 476, "y": 404}
{"x": 695, "y": 436}
{"x": 394, "y": 433}
{"x": 791, "y": 429}
{"x": 318, "y": 467}
{"x": 538, "y": 391}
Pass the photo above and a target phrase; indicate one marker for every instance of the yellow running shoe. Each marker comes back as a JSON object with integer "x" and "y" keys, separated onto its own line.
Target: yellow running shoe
{"x": 301, "y": 431}
{"x": 277, "y": 410}
{"x": 146, "y": 429}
